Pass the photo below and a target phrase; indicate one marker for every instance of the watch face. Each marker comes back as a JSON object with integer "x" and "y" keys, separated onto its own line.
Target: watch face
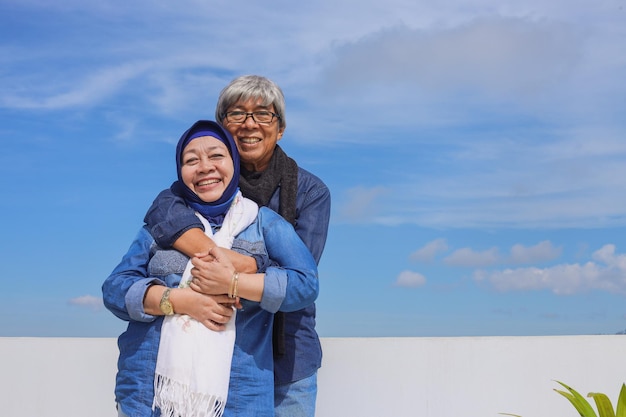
{"x": 165, "y": 305}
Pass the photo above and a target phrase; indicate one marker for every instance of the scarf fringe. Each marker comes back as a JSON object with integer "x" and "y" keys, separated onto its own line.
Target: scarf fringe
{"x": 175, "y": 399}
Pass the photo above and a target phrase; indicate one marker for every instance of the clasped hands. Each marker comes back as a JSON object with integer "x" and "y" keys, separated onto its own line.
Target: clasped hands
{"x": 211, "y": 274}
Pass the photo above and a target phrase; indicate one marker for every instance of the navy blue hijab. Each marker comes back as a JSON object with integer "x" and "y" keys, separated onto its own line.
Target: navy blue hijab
{"x": 214, "y": 211}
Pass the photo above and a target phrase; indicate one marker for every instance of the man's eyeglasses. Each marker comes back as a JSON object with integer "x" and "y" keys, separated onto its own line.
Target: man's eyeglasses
{"x": 263, "y": 117}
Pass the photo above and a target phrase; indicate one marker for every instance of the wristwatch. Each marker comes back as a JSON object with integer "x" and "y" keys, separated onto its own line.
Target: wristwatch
{"x": 165, "y": 305}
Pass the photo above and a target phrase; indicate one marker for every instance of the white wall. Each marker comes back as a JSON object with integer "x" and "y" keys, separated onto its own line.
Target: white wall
{"x": 425, "y": 377}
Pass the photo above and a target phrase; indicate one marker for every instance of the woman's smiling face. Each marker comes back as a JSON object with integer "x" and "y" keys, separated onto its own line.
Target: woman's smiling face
{"x": 207, "y": 167}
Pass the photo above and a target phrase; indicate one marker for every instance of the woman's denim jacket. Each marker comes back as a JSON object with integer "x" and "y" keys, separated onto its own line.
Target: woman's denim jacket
{"x": 168, "y": 218}
{"x": 290, "y": 287}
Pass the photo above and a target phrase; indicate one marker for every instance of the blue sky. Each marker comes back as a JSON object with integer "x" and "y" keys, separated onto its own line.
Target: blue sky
{"x": 475, "y": 152}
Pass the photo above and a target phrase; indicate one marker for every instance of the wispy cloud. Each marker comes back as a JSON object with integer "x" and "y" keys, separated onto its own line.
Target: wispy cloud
{"x": 75, "y": 93}
{"x": 428, "y": 252}
{"x": 88, "y": 301}
{"x": 467, "y": 257}
{"x": 516, "y": 183}
{"x": 361, "y": 203}
{"x": 494, "y": 55}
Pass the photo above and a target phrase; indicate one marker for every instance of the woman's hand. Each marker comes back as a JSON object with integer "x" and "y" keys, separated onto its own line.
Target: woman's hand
{"x": 213, "y": 311}
{"x": 212, "y": 277}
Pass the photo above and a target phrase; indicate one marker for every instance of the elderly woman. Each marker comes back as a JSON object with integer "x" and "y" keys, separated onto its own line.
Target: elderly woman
{"x": 252, "y": 109}
{"x": 172, "y": 356}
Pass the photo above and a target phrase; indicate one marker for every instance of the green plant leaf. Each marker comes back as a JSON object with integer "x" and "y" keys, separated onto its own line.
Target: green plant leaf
{"x": 605, "y": 408}
{"x": 621, "y": 403}
{"x": 580, "y": 406}
{"x": 578, "y": 401}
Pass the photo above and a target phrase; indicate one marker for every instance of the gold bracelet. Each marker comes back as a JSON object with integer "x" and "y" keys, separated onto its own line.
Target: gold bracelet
{"x": 236, "y": 280}
{"x": 232, "y": 286}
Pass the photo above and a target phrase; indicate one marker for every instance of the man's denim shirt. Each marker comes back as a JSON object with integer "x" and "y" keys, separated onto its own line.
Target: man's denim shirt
{"x": 291, "y": 287}
{"x": 168, "y": 218}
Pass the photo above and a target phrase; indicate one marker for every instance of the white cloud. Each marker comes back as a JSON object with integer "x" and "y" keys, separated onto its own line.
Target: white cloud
{"x": 606, "y": 254}
{"x": 467, "y": 257}
{"x": 428, "y": 252}
{"x": 541, "y": 252}
{"x": 410, "y": 279}
{"x": 89, "y": 301}
{"x": 607, "y": 273}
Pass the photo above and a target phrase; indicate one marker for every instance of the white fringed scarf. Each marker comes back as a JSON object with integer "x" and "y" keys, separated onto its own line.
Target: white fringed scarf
{"x": 193, "y": 363}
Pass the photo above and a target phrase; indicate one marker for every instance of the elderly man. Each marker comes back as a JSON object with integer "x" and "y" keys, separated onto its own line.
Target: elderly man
{"x": 252, "y": 109}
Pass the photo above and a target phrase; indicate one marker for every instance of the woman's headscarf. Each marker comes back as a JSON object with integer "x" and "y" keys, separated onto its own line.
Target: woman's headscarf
{"x": 216, "y": 210}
